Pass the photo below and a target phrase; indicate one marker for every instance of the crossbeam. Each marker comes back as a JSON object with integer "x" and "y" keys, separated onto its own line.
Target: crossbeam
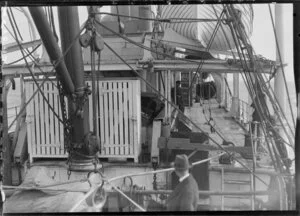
{"x": 212, "y": 66}
{"x": 185, "y": 144}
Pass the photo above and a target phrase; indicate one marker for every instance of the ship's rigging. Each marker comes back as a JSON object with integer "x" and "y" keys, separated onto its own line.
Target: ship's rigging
{"x": 255, "y": 82}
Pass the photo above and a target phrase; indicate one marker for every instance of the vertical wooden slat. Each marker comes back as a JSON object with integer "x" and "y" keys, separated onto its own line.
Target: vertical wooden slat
{"x": 97, "y": 109}
{"x": 34, "y": 119}
{"x": 106, "y": 114}
{"x": 111, "y": 117}
{"x": 52, "y": 139}
{"x": 57, "y": 149}
{"x": 125, "y": 108}
{"x": 37, "y": 122}
{"x": 133, "y": 103}
{"x": 222, "y": 189}
{"x": 60, "y": 132}
{"x": 131, "y": 118}
{"x": 66, "y": 103}
{"x": 169, "y": 93}
{"x": 42, "y": 121}
{"x": 47, "y": 122}
{"x": 166, "y": 93}
{"x": 30, "y": 120}
{"x": 116, "y": 117}
{"x": 101, "y": 116}
{"x": 120, "y": 101}
{"x": 91, "y": 114}
{"x": 138, "y": 125}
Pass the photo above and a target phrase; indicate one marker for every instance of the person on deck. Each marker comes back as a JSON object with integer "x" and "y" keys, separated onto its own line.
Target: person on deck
{"x": 179, "y": 100}
{"x": 185, "y": 196}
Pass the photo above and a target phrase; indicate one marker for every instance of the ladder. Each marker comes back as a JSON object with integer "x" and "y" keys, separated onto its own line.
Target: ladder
{"x": 229, "y": 182}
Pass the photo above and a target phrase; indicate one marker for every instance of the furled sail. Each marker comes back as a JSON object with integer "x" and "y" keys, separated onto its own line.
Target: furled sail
{"x": 202, "y": 31}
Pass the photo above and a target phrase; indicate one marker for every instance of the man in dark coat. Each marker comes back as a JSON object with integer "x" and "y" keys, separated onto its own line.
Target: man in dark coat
{"x": 185, "y": 196}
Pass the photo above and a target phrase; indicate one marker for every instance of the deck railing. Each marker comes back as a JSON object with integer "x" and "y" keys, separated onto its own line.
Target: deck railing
{"x": 243, "y": 114}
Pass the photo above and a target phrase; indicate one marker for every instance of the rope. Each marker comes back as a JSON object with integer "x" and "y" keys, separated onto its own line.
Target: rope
{"x": 131, "y": 175}
{"x": 207, "y": 49}
{"x": 145, "y": 47}
{"x": 284, "y": 77}
{"x": 27, "y": 55}
{"x": 47, "y": 76}
{"x": 259, "y": 107}
{"x": 128, "y": 198}
{"x": 35, "y": 61}
{"x": 38, "y": 188}
{"x": 245, "y": 74}
{"x": 168, "y": 20}
{"x": 258, "y": 75}
{"x": 31, "y": 73}
{"x": 179, "y": 111}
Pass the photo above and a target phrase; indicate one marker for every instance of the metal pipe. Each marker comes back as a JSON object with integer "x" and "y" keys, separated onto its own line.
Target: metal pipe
{"x": 69, "y": 26}
{"x": 51, "y": 46}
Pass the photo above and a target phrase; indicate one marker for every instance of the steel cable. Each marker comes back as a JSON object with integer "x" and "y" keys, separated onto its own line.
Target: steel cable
{"x": 54, "y": 67}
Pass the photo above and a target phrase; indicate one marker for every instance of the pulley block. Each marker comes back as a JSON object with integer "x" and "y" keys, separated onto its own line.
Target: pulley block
{"x": 98, "y": 43}
{"x": 85, "y": 39}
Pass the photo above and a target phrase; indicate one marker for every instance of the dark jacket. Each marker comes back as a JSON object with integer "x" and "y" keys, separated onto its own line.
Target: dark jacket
{"x": 185, "y": 196}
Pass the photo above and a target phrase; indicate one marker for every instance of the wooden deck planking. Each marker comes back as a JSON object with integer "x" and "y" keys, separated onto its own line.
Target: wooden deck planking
{"x": 227, "y": 126}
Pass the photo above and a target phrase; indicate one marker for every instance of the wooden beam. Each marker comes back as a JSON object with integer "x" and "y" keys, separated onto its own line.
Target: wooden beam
{"x": 17, "y": 70}
{"x": 185, "y": 144}
{"x": 6, "y": 146}
{"x": 212, "y": 66}
{"x": 15, "y": 47}
{"x": 156, "y": 133}
{"x": 20, "y": 150}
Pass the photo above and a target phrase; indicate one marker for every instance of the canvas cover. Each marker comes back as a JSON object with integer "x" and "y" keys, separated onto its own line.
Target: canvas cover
{"x": 30, "y": 201}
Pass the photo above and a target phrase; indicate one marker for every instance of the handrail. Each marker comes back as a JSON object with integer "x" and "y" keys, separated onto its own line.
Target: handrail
{"x": 131, "y": 175}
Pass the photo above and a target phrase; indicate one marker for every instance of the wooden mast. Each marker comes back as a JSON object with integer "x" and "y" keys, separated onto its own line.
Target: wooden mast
{"x": 279, "y": 80}
{"x": 296, "y": 12}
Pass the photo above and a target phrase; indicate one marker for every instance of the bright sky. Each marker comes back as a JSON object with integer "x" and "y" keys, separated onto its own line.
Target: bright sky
{"x": 262, "y": 38}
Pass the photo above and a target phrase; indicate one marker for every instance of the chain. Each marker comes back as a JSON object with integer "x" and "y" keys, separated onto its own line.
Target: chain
{"x": 67, "y": 125}
{"x": 154, "y": 181}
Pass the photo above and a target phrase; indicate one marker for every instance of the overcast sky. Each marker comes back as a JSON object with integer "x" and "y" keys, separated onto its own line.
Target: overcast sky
{"x": 262, "y": 38}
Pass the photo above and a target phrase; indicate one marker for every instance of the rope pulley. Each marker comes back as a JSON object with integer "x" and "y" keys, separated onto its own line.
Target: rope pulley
{"x": 98, "y": 198}
{"x": 124, "y": 187}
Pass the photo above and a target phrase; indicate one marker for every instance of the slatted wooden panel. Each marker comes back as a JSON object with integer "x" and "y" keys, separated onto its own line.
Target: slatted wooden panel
{"x": 118, "y": 114}
{"x": 119, "y": 118}
{"x": 45, "y": 132}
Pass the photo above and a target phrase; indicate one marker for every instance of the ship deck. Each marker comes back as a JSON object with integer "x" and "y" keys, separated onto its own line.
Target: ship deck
{"x": 224, "y": 123}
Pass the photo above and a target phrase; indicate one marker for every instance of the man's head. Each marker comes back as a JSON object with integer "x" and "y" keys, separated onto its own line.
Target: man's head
{"x": 181, "y": 165}
{"x": 178, "y": 83}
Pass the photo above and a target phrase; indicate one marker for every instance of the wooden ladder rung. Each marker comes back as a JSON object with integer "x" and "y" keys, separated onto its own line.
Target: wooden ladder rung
{"x": 237, "y": 182}
{"x": 237, "y": 196}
